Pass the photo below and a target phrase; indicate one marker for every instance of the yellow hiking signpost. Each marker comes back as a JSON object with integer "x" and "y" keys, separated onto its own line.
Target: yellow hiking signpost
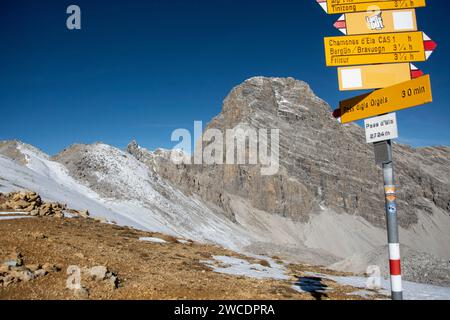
{"x": 377, "y": 22}
{"x": 381, "y": 42}
{"x": 347, "y": 6}
{"x": 401, "y": 96}
{"x": 376, "y": 76}
{"x": 382, "y": 48}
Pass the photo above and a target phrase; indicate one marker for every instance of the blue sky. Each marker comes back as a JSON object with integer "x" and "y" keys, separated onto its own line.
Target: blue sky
{"x": 140, "y": 69}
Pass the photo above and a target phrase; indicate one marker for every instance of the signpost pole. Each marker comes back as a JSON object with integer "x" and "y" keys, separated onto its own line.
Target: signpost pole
{"x": 370, "y": 24}
{"x": 392, "y": 225}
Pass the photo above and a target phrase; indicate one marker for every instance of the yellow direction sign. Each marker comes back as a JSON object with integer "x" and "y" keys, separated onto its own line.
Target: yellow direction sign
{"x": 380, "y": 48}
{"x": 347, "y": 6}
{"x": 401, "y": 96}
{"x": 377, "y": 22}
{"x": 376, "y": 76}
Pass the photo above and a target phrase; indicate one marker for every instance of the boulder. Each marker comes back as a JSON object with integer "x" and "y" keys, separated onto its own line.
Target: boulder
{"x": 25, "y": 275}
{"x": 114, "y": 282}
{"x": 59, "y": 214}
{"x": 29, "y": 208}
{"x": 40, "y": 273}
{"x": 98, "y": 273}
{"x": 84, "y": 214}
{"x": 20, "y": 204}
{"x": 34, "y": 267}
{"x": 15, "y": 196}
{"x": 100, "y": 219}
{"x": 7, "y": 280}
{"x": 50, "y": 267}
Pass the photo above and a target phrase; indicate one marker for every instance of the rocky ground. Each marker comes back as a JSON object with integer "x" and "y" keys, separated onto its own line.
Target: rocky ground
{"x": 40, "y": 257}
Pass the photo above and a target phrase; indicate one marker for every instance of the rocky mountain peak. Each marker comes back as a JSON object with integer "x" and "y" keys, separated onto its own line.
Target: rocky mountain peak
{"x": 323, "y": 164}
{"x": 262, "y": 97}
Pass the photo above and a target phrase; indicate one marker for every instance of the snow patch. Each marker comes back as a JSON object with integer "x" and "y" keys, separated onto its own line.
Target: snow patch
{"x": 14, "y": 217}
{"x": 287, "y": 106}
{"x": 152, "y": 239}
{"x": 240, "y": 267}
{"x": 13, "y": 213}
{"x": 362, "y": 293}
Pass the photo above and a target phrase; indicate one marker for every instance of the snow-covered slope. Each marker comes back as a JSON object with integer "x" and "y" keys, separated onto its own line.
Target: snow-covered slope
{"x": 140, "y": 198}
{"x": 53, "y": 183}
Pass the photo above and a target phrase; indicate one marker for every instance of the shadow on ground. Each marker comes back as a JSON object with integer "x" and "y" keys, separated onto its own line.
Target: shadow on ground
{"x": 314, "y": 286}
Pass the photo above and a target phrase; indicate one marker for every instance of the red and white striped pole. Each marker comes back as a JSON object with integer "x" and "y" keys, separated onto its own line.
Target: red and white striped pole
{"x": 396, "y": 273}
{"x": 392, "y": 226}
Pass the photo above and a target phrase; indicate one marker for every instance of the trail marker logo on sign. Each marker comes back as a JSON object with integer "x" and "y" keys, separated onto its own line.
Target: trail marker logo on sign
{"x": 381, "y": 128}
{"x": 377, "y": 22}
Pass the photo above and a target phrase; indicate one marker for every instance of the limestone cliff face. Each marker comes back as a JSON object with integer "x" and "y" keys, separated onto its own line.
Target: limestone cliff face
{"x": 322, "y": 163}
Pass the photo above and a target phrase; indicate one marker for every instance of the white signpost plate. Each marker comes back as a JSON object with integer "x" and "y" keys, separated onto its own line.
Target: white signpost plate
{"x": 381, "y": 128}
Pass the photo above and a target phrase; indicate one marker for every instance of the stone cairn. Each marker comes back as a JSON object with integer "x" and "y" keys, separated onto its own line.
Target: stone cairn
{"x": 31, "y": 202}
